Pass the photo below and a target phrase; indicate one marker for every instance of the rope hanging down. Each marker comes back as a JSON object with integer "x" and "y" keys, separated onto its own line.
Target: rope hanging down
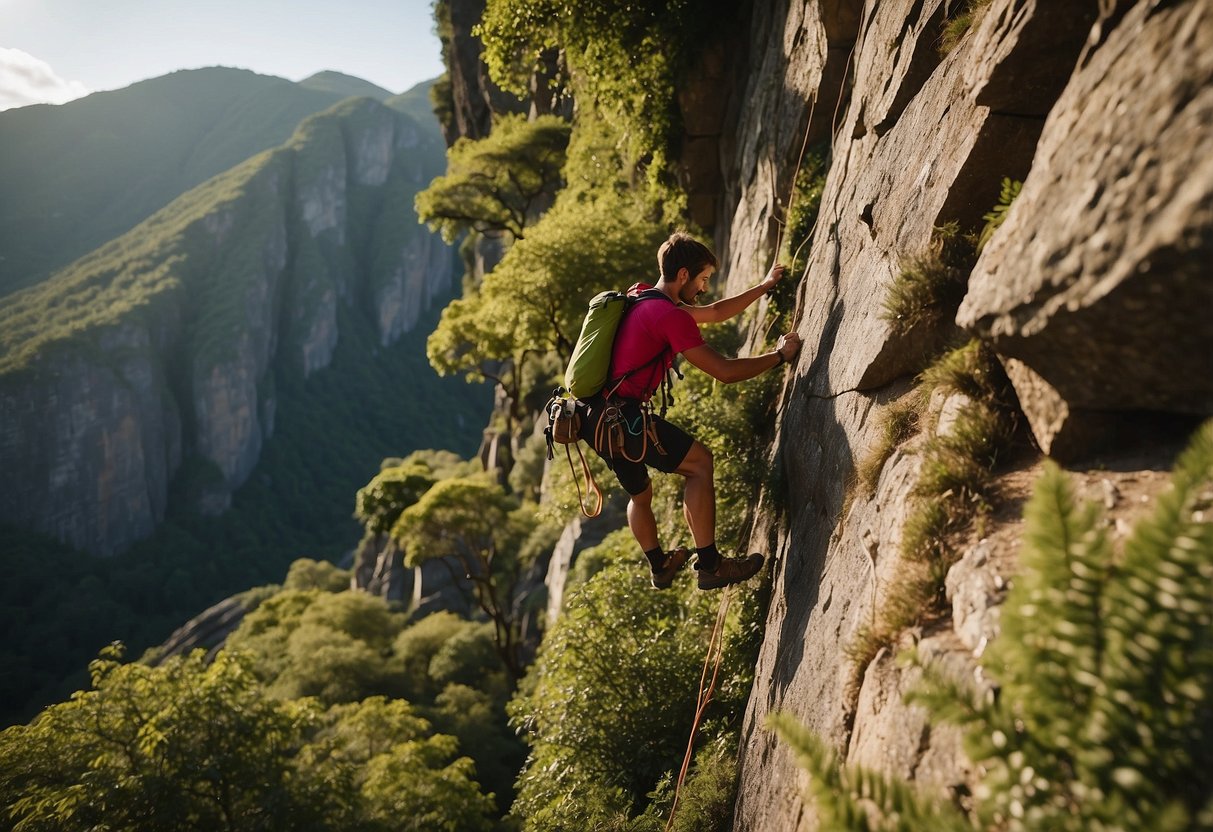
{"x": 714, "y": 656}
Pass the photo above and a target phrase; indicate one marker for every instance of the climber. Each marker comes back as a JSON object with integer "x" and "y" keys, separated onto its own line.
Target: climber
{"x": 650, "y": 335}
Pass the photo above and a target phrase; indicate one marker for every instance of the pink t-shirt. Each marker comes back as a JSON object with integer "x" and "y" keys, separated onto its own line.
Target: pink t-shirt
{"x": 646, "y": 330}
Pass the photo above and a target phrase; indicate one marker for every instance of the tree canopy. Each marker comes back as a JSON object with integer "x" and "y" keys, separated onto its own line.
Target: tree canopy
{"x": 198, "y": 745}
{"x": 474, "y": 522}
{"x": 498, "y": 183}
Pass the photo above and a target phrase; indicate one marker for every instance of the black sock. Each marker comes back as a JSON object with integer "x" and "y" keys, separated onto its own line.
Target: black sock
{"x": 707, "y": 558}
{"x": 656, "y": 557}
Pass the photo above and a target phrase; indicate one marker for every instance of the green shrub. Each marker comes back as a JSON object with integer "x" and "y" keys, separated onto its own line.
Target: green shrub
{"x": 931, "y": 284}
{"x": 1104, "y": 663}
{"x": 608, "y": 705}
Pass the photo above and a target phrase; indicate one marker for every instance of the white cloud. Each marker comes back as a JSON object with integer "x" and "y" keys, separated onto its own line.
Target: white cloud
{"x": 26, "y": 80}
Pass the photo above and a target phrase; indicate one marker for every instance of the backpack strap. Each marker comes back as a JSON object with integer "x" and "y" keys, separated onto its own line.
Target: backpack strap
{"x": 614, "y": 384}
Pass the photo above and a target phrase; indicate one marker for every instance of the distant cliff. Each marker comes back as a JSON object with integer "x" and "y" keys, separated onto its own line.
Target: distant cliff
{"x": 163, "y": 346}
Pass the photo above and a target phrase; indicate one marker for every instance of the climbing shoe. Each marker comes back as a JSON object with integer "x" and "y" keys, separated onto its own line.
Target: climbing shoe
{"x": 730, "y": 571}
{"x": 674, "y": 561}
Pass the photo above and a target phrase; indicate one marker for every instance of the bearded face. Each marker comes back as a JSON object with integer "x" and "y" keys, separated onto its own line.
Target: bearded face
{"x": 696, "y": 286}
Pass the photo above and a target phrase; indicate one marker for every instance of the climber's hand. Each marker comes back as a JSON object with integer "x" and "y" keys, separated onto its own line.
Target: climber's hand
{"x": 774, "y": 276}
{"x": 788, "y": 346}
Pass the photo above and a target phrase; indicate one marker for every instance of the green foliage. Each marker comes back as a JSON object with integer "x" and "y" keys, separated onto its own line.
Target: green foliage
{"x": 188, "y": 745}
{"x": 956, "y": 25}
{"x": 858, "y": 799}
{"x": 473, "y": 521}
{"x": 415, "y": 649}
{"x": 200, "y": 745}
{"x": 333, "y": 646}
{"x": 624, "y": 60}
{"x": 998, "y": 214}
{"x": 608, "y": 705}
{"x": 378, "y": 504}
{"x": 706, "y": 801}
{"x": 930, "y": 286}
{"x": 803, "y": 208}
{"x": 306, "y": 573}
{"x": 1103, "y": 719}
{"x": 475, "y": 716}
{"x": 497, "y": 183}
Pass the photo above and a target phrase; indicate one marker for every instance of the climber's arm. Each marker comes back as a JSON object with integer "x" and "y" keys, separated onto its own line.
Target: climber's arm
{"x": 726, "y": 308}
{"x": 729, "y": 370}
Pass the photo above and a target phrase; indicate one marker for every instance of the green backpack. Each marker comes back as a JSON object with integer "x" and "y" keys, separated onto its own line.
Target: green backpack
{"x": 591, "y": 361}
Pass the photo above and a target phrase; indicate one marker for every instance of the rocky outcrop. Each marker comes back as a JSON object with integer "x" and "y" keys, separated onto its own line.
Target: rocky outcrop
{"x": 1097, "y": 288}
{"x": 781, "y": 103}
{"x": 255, "y": 268}
{"x": 476, "y": 97}
{"x": 206, "y": 631}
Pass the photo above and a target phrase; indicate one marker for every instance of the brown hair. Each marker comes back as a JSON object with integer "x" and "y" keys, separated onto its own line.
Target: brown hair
{"x": 682, "y": 250}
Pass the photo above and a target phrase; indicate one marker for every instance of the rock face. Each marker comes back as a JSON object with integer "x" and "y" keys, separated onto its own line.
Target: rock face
{"x": 87, "y": 449}
{"x": 476, "y": 97}
{"x": 1101, "y": 272}
{"x": 1098, "y": 284}
{"x": 94, "y": 427}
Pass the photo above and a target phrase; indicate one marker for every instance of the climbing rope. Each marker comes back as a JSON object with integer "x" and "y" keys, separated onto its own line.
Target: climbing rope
{"x": 713, "y": 658}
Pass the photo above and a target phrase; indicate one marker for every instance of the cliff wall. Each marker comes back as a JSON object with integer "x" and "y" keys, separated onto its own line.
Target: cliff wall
{"x": 1089, "y": 288}
{"x": 163, "y": 346}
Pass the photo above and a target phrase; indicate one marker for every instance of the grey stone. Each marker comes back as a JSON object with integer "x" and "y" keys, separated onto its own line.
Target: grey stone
{"x": 1099, "y": 280}
{"x": 976, "y": 592}
{"x": 914, "y": 148}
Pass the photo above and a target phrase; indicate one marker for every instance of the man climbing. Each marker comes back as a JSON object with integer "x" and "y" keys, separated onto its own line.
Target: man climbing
{"x": 650, "y": 335}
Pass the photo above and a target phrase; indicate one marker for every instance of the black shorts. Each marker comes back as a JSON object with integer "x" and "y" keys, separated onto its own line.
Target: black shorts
{"x": 666, "y": 454}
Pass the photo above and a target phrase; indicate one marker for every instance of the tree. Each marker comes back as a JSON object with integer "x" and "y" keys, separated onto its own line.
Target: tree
{"x": 614, "y": 695}
{"x": 498, "y": 183}
{"x": 625, "y": 59}
{"x": 472, "y": 521}
{"x": 192, "y": 745}
{"x": 378, "y": 504}
{"x": 187, "y": 745}
{"x": 405, "y": 776}
{"x": 306, "y": 573}
{"x": 334, "y": 646}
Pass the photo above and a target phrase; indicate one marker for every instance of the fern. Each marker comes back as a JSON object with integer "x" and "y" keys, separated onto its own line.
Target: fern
{"x": 857, "y": 799}
{"x": 1104, "y": 718}
{"x": 1154, "y": 722}
{"x": 998, "y": 214}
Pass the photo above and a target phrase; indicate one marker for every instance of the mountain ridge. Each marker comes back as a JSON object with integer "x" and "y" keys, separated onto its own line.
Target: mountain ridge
{"x": 74, "y": 176}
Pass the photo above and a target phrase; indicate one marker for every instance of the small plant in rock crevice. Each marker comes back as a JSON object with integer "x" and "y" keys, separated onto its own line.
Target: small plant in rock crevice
{"x": 998, "y": 214}
{"x": 931, "y": 284}
{"x": 957, "y": 24}
{"x": 952, "y": 493}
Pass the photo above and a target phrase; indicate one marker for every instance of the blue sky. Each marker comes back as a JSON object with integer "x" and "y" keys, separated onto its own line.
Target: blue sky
{"x": 52, "y": 50}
